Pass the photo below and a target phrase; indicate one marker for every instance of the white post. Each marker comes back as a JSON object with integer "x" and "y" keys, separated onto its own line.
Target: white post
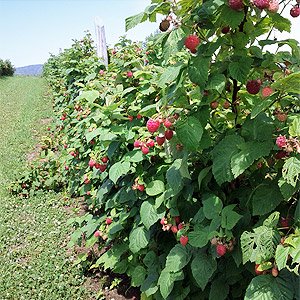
{"x": 101, "y": 40}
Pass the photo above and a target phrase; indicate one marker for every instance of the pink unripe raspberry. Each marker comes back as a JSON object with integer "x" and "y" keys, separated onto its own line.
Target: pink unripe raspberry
{"x": 88, "y": 193}
{"x": 101, "y": 72}
{"x": 184, "y": 240}
{"x": 192, "y": 42}
{"x": 97, "y": 233}
{"x": 295, "y": 11}
{"x": 169, "y": 134}
{"x": 167, "y": 123}
{"x": 253, "y": 86}
{"x": 180, "y": 226}
{"x": 66, "y": 168}
{"x": 261, "y": 4}
{"x": 145, "y": 150}
{"x": 267, "y": 91}
{"x": 139, "y": 116}
{"x": 174, "y": 229}
{"x": 129, "y": 74}
{"x": 152, "y": 125}
{"x": 281, "y": 141}
{"x": 160, "y": 140}
{"x": 150, "y": 144}
{"x": 273, "y": 6}
{"x": 163, "y": 221}
{"x": 221, "y": 249}
{"x": 141, "y": 187}
{"x": 108, "y": 221}
{"x": 236, "y": 4}
{"x": 92, "y": 163}
{"x": 137, "y": 144}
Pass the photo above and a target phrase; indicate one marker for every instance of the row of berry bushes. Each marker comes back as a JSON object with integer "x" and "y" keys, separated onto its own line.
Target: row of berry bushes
{"x": 6, "y": 68}
{"x": 186, "y": 152}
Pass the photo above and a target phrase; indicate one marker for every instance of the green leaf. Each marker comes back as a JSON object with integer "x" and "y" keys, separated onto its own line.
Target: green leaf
{"x": 289, "y": 84}
{"x": 132, "y": 21}
{"x": 216, "y": 82}
{"x": 118, "y": 169}
{"x": 261, "y": 106}
{"x": 281, "y": 256}
{"x": 149, "y": 214}
{"x": 267, "y": 287}
{"x": 90, "y": 96}
{"x": 169, "y": 75}
{"x": 229, "y": 217}
{"x": 189, "y": 131}
{"x": 222, "y": 154}
{"x": 198, "y": 69}
{"x": 249, "y": 152}
{"x": 203, "y": 266}
{"x": 287, "y": 190}
{"x": 203, "y": 173}
{"x": 219, "y": 290}
{"x": 173, "y": 43}
{"x": 240, "y": 68}
{"x": 199, "y": 237}
{"x": 272, "y": 220}
{"x": 291, "y": 171}
{"x": 212, "y": 206}
{"x": 231, "y": 17}
{"x": 174, "y": 177}
{"x": 260, "y": 245}
{"x": 155, "y": 187}
{"x": 294, "y": 128}
{"x": 166, "y": 281}
{"x": 265, "y": 198}
{"x": 101, "y": 133}
{"x": 138, "y": 239}
{"x": 281, "y": 23}
{"x": 138, "y": 276}
{"x": 177, "y": 259}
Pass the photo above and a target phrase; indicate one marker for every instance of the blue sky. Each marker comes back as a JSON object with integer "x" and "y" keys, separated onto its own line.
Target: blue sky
{"x": 31, "y": 29}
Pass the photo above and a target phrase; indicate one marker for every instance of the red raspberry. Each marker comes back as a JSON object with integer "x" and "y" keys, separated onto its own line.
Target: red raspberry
{"x": 225, "y": 30}
{"x": 108, "y": 221}
{"x": 236, "y": 4}
{"x": 145, "y": 150}
{"x": 267, "y": 91}
{"x": 97, "y": 233}
{"x": 104, "y": 159}
{"x": 150, "y": 144}
{"x": 160, "y": 140}
{"x": 221, "y": 249}
{"x": 253, "y": 86}
{"x": 281, "y": 141}
{"x": 102, "y": 168}
{"x": 295, "y": 11}
{"x": 192, "y": 42}
{"x": 214, "y": 104}
{"x": 141, "y": 187}
{"x": 274, "y": 272}
{"x": 174, "y": 229}
{"x": 139, "y": 116}
{"x": 177, "y": 219}
{"x": 284, "y": 222}
{"x": 226, "y": 104}
{"x": 137, "y": 144}
{"x": 180, "y": 226}
{"x": 167, "y": 123}
{"x": 169, "y": 134}
{"x": 261, "y": 4}
{"x": 184, "y": 240}
{"x": 66, "y": 168}
{"x": 130, "y": 118}
{"x": 153, "y": 125}
{"x": 281, "y": 154}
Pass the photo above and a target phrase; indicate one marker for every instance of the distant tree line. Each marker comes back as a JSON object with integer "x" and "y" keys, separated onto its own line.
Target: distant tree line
{"x": 6, "y": 68}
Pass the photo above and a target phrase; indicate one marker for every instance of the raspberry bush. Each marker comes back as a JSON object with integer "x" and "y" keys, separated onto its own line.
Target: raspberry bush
{"x": 187, "y": 153}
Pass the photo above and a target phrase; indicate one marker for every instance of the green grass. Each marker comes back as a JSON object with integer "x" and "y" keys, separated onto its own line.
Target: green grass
{"x": 33, "y": 232}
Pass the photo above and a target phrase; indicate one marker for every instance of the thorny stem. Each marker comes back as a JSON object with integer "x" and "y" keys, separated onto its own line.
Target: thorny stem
{"x": 236, "y": 89}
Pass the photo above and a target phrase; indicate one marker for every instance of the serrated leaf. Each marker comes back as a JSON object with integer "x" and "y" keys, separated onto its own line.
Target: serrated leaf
{"x": 294, "y": 128}
{"x": 177, "y": 259}
{"x": 212, "y": 206}
{"x": 138, "y": 276}
{"x": 287, "y": 190}
{"x": 249, "y": 152}
{"x": 155, "y": 187}
{"x": 198, "y": 237}
{"x": 174, "y": 177}
{"x": 90, "y": 96}
{"x": 138, "y": 239}
{"x": 222, "y": 154}
{"x": 216, "y": 82}
{"x": 288, "y": 84}
{"x": 281, "y": 256}
{"x": 169, "y": 75}
{"x": 281, "y": 23}
{"x": 260, "y": 245}
{"x": 240, "y": 68}
{"x": 229, "y": 217}
{"x": 272, "y": 220}
{"x": 291, "y": 171}
{"x": 265, "y": 198}
{"x": 219, "y": 290}
{"x": 166, "y": 281}
{"x": 203, "y": 173}
{"x": 149, "y": 214}
{"x": 118, "y": 169}
{"x": 267, "y": 287}
{"x": 203, "y": 266}
{"x": 231, "y": 17}
{"x": 132, "y": 21}
{"x": 173, "y": 42}
{"x": 189, "y": 131}
{"x": 198, "y": 69}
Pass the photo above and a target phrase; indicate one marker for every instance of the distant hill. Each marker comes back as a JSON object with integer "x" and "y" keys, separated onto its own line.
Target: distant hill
{"x": 32, "y": 70}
